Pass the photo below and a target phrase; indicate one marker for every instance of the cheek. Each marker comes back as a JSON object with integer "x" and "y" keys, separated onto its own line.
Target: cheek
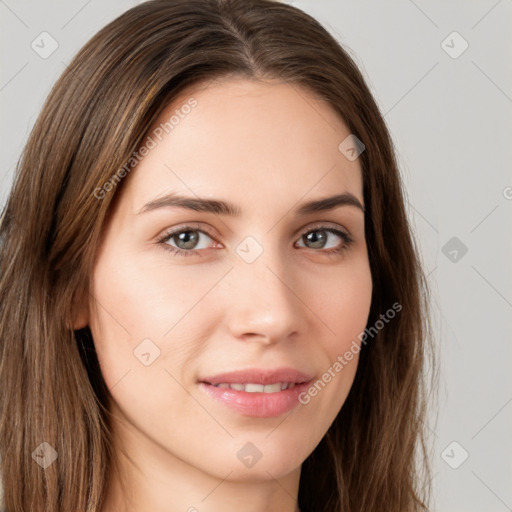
{"x": 137, "y": 298}
{"x": 344, "y": 306}
{"x": 144, "y": 312}
{"x": 132, "y": 312}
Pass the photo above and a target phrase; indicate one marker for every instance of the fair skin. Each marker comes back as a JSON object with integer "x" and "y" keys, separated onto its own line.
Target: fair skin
{"x": 268, "y": 148}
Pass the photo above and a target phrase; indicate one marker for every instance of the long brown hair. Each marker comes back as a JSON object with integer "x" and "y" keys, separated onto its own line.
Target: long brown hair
{"x": 374, "y": 456}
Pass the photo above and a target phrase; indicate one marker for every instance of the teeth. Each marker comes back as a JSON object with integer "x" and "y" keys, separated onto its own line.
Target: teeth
{"x": 258, "y": 388}
{"x": 254, "y": 388}
{"x": 272, "y": 388}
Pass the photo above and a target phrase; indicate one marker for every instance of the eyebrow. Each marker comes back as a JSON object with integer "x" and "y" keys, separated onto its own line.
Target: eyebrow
{"x": 220, "y": 207}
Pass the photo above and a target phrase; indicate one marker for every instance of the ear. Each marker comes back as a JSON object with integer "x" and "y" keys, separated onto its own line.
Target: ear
{"x": 80, "y": 313}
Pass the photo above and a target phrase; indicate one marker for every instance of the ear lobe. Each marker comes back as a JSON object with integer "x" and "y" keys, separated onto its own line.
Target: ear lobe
{"x": 80, "y": 314}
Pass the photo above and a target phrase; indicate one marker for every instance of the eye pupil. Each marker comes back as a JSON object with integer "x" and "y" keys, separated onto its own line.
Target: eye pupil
{"x": 189, "y": 238}
{"x": 318, "y": 241}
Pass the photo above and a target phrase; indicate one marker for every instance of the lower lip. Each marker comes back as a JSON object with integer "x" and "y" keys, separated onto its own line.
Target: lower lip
{"x": 260, "y": 405}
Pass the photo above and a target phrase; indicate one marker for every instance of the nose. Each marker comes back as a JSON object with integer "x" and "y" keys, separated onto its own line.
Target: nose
{"x": 263, "y": 300}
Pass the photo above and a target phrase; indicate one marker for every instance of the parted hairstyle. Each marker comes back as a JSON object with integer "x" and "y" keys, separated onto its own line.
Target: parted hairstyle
{"x": 375, "y": 455}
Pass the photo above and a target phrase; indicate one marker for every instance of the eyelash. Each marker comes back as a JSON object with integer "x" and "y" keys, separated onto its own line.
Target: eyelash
{"x": 191, "y": 252}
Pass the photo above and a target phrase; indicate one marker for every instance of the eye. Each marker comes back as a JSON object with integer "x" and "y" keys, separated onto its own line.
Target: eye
{"x": 186, "y": 238}
{"x": 320, "y": 236}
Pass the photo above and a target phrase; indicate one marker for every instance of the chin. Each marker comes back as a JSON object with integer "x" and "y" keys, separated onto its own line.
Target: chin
{"x": 265, "y": 455}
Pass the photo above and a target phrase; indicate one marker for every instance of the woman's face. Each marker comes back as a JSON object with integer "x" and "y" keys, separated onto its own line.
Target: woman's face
{"x": 271, "y": 289}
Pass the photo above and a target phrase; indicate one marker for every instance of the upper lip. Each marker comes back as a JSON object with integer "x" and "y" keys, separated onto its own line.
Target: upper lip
{"x": 259, "y": 376}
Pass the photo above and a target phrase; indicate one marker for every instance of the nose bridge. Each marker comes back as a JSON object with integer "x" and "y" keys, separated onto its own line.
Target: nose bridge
{"x": 263, "y": 299}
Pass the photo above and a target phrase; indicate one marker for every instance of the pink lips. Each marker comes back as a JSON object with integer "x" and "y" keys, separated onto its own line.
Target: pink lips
{"x": 258, "y": 404}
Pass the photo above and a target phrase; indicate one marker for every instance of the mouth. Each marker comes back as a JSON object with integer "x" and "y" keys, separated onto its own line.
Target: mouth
{"x": 257, "y": 392}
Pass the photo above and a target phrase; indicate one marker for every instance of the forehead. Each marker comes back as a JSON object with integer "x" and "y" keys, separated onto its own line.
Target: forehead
{"x": 246, "y": 141}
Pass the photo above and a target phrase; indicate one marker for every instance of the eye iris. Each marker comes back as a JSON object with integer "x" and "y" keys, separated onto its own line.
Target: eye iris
{"x": 189, "y": 238}
{"x": 318, "y": 241}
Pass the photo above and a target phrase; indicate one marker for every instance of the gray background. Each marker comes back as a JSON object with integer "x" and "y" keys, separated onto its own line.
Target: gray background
{"x": 450, "y": 117}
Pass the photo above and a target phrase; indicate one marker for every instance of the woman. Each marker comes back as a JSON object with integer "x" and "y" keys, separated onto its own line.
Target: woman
{"x": 210, "y": 293}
